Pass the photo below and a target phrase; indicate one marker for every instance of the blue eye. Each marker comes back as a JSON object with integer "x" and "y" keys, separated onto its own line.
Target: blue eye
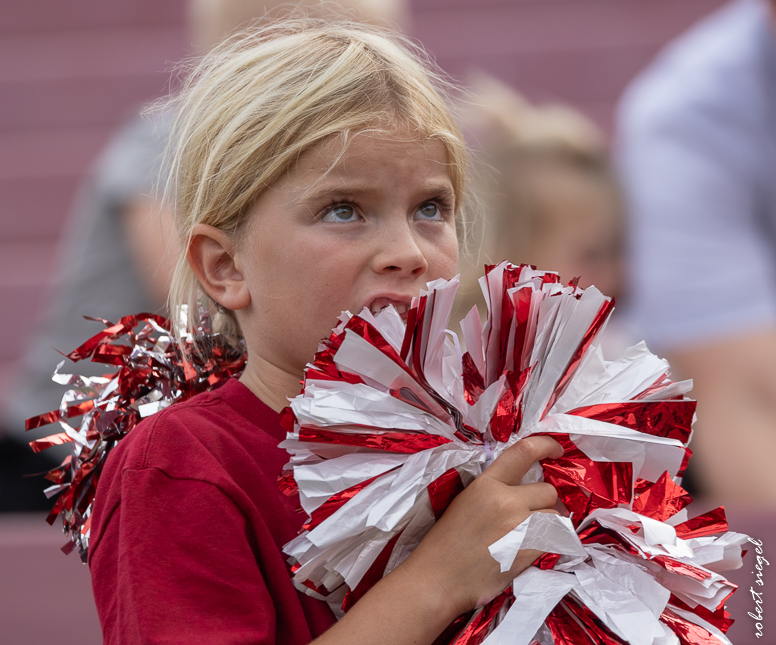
{"x": 428, "y": 211}
{"x": 340, "y": 213}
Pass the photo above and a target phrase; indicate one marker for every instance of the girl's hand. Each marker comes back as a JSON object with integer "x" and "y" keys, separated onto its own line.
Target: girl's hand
{"x": 454, "y": 556}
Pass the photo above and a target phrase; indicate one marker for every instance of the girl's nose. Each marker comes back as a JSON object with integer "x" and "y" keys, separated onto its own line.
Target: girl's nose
{"x": 398, "y": 251}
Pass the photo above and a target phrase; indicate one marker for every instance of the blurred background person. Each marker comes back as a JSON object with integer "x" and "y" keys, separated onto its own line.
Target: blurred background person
{"x": 697, "y": 145}
{"x": 118, "y": 249}
{"x": 549, "y": 195}
{"x": 112, "y": 261}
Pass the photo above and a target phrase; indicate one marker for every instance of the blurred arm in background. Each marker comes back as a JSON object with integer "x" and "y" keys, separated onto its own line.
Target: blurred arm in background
{"x": 150, "y": 235}
{"x": 698, "y": 156}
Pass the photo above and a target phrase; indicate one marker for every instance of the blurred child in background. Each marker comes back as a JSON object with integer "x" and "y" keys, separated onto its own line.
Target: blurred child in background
{"x": 549, "y": 195}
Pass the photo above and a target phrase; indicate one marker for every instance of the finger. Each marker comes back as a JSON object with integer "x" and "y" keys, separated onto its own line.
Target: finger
{"x": 538, "y": 497}
{"x": 511, "y": 465}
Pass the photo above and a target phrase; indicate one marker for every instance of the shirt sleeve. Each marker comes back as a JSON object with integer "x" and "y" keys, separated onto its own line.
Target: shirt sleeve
{"x": 186, "y": 567}
{"x": 701, "y": 261}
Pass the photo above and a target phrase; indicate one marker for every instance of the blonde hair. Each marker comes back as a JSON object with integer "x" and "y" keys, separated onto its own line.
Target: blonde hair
{"x": 252, "y": 106}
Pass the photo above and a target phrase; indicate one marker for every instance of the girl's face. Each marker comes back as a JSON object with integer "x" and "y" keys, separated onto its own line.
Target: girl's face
{"x": 365, "y": 225}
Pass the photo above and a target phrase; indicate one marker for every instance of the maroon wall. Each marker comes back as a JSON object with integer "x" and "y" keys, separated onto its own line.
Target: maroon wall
{"x": 70, "y": 71}
{"x": 582, "y": 52}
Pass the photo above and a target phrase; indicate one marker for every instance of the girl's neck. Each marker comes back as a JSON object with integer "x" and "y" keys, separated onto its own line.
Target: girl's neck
{"x": 270, "y": 383}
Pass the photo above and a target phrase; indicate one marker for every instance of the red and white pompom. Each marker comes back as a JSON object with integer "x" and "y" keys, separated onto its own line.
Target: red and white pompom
{"x": 151, "y": 372}
{"x": 395, "y": 420}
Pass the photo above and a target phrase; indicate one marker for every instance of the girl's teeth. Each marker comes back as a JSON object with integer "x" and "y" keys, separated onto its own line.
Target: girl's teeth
{"x": 400, "y": 308}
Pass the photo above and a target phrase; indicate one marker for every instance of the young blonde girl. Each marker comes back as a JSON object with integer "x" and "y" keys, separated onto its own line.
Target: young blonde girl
{"x": 316, "y": 169}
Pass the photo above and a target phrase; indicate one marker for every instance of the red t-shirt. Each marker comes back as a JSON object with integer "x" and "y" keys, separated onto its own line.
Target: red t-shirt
{"x": 188, "y": 527}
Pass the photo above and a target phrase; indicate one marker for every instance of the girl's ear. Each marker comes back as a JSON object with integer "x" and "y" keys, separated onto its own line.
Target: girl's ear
{"x": 211, "y": 257}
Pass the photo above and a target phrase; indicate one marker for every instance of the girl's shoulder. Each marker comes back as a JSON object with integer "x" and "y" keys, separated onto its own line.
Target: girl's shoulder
{"x": 210, "y": 426}
{"x": 225, "y": 439}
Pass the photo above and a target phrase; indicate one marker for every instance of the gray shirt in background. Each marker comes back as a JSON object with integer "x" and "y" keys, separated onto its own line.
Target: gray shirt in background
{"x": 697, "y": 152}
{"x": 95, "y": 274}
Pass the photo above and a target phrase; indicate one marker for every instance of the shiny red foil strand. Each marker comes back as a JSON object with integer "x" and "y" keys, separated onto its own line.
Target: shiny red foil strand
{"x": 565, "y": 629}
{"x": 87, "y": 349}
{"x": 443, "y": 490}
{"x": 662, "y": 499}
{"x": 367, "y": 331}
{"x": 522, "y": 302}
{"x": 318, "y": 374}
{"x": 403, "y": 442}
{"x": 659, "y": 383}
{"x": 577, "y": 478}
{"x": 596, "y": 501}
{"x": 323, "y": 591}
{"x": 409, "y": 331}
{"x": 413, "y": 358}
{"x": 451, "y": 632}
{"x": 287, "y": 484}
{"x": 482, "y": 623}
{"x": 711, "y": 523}
{"x": 507, "y": 313}
{"x": 600, "y": 633}
{"x": 59, "y": 474}
{"x": 597, "y": 534}
{"x": 671, "y": 419}
{"x": 287, "y": 419}
{"x": 688, "y": 633}
{"x": 374, "y": 574}
{"x": 112, "y": 333}
{"x": 506, "y": 416}
{"x": 111, "y": 354}
{"x": 39, "y": 445}
{"x": 685, "y": 462}
{"x": 42, "y": 420}
{"x": 473, "y": 382}
{"x": 598, "y": 322}
{"x": 546, "y": 561}
{"x": 720, "y": 618}
{"x": 78, "y": 409}
{"x": 337, "y": 501}
{"x": 641, "y": 485}
{"x": 682, "y": 568}
{"x": 419, "y": 341}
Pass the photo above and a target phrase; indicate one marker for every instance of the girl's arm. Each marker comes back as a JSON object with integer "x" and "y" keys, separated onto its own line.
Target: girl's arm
{"x": 451, "y": 571}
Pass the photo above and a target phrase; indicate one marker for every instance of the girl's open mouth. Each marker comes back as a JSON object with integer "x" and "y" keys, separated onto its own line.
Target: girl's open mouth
{"x": 401, "y": 306}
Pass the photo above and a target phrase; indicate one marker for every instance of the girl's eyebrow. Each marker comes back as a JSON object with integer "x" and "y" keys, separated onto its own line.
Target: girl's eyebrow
{"x": 324, "y": 190}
